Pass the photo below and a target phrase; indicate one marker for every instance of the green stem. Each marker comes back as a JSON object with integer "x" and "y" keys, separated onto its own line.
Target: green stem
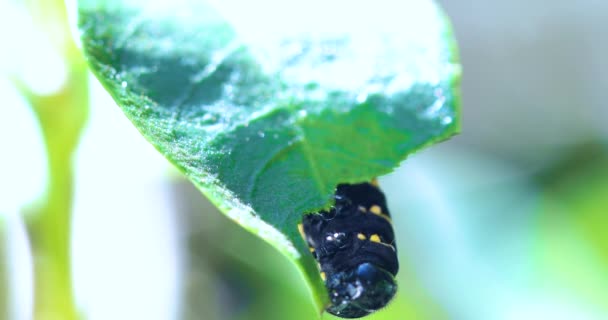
{"x": 50, "y": 248}
{"x": 49, "y": 230}
{"x": 62, "y": 116}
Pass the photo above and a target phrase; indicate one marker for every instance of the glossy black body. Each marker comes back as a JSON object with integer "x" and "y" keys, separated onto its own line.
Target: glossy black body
{"x": 359, "y": 272}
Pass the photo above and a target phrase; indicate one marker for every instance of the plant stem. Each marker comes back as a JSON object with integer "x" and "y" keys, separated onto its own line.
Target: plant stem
{"x": 62, "y": 116}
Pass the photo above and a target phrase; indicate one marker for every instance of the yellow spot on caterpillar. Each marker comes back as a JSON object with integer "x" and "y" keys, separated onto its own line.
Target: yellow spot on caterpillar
{"x": 311, "y": 249}
{"x": 301, "y": 230}
{"x": 375, "y": 209}
{"x": 361, "y": 236}
{"x": 375, "y": 238}
{"x": 374, "y": 183}
{"x": 323, "y": 276}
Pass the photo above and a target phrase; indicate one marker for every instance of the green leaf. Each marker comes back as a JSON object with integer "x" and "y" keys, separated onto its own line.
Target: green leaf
{"x": 266, "y": 106}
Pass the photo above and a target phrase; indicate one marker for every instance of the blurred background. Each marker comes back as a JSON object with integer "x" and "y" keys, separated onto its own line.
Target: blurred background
{"x": 508, "y": 220}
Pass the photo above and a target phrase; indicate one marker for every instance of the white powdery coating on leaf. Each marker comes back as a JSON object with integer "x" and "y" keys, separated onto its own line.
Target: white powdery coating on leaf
{"x": 320, "y": 41}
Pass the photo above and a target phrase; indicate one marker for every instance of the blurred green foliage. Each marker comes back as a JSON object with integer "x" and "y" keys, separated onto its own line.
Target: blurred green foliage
{"x": 482, "y": 233}
{"x": 573, "y": 226}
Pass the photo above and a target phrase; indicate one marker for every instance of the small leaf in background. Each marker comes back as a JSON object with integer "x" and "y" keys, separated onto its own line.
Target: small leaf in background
{"x": 572, "y": 248}
{"x": 266, "y": 106}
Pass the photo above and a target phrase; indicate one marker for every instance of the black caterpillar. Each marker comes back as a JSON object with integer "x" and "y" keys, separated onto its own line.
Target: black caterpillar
{"x": 354, "y": 244}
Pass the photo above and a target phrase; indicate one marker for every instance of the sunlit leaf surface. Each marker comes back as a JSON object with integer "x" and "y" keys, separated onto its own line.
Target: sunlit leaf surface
{"x": 266, "y": 106}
